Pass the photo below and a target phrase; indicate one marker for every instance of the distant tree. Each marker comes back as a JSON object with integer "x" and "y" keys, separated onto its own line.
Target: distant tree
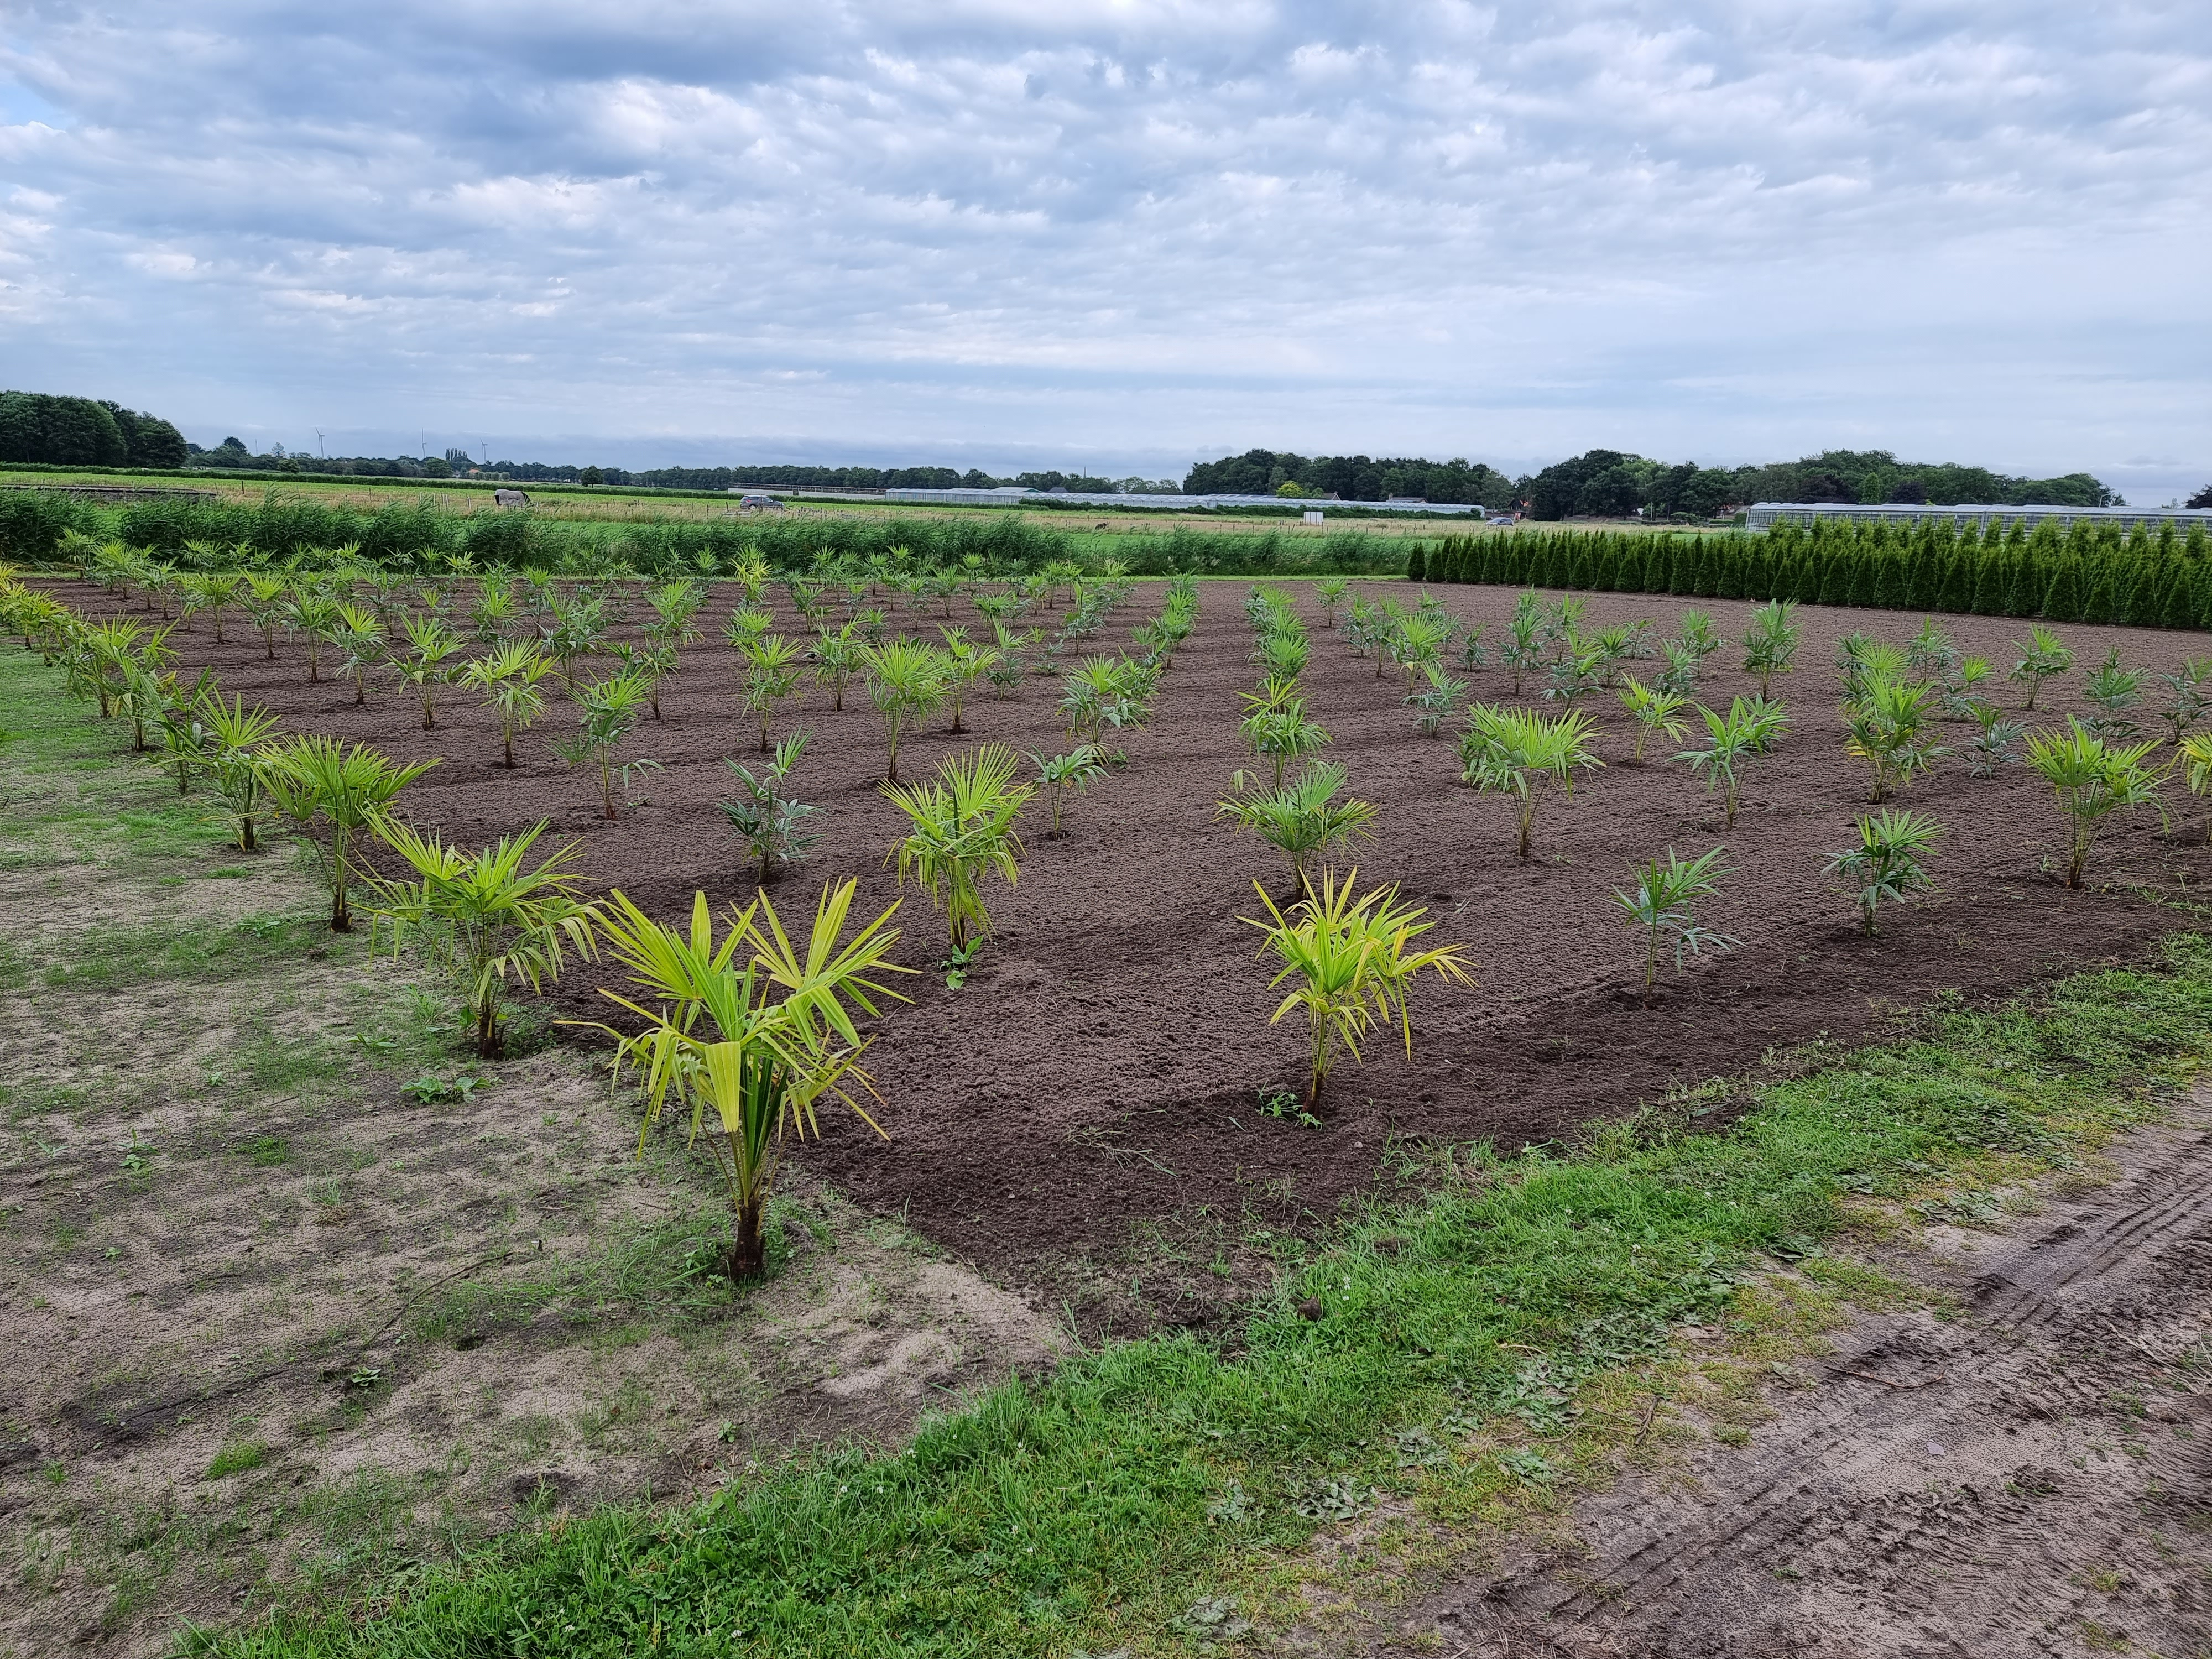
{"x": 2203, "y": 498}
{"x": 1557, "y": 490}
{"x": 38, "y": 428}
{"x": 147, "y": 439}
{"x": 1909, "y": 492}
{"x": 591, "y": 475}
{"x": 1616, "y": 493}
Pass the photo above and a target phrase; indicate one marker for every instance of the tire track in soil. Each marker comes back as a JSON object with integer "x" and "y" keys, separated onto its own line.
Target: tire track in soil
{"x": 2027, "y": 1478}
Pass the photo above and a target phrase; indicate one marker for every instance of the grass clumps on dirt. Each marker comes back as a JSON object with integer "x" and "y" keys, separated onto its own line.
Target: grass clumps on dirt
{"x": 1467, "y": 1354}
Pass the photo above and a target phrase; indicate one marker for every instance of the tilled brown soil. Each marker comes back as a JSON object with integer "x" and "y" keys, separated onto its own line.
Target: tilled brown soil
{"x": 1102, "y": 1067}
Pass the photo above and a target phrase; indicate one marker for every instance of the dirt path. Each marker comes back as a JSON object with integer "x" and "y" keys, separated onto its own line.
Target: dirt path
{"x": 2031, "y": 1475}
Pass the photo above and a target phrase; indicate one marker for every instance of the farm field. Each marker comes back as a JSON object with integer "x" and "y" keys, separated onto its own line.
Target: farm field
{"x": 1112, "y": 1039}
{"x": 316, "y": 1301}
{"x": 297, "y": 1292}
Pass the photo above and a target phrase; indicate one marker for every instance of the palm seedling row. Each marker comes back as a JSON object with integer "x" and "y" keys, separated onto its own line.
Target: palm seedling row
{"x": 1068, "y": 784}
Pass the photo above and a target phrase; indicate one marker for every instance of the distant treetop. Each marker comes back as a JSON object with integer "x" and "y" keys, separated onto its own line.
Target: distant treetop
{"x": 39, "y": 428}
{"x": 1612, "y": 484}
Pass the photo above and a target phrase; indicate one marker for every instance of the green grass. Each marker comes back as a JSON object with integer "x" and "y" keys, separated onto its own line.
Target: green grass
{"x": 193, "y": 948}
{"x": 1150, "y": 1492}
{"x": 68, "y": 799}
{"x": 236, "y": 1458}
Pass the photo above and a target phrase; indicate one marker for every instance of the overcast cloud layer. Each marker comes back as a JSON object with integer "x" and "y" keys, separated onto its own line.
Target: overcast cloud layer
{"x": 1124, "y": 235}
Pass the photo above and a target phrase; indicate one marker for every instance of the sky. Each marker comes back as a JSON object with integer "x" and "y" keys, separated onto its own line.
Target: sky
{"x": 1120, "y": 236}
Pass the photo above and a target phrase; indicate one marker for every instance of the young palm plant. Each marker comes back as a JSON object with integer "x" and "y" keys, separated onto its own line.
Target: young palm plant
{"x": 1434, "y": 703}
{"x": 236, "y": 757}
{"x": 313, "y": 779}
{"x": 1303, "y": 820}
{"x": 1516, "y": 751}
{"x": 962, "y": 828}
{"x": 610, "y": 710}
{"x": 2093, "y": 781}
{"x": 2113, "y": 691}
{"x": 2196, "y": 759}
{"x": 836, "y": 658}
{"x": 1280, "y": 732}
{"x": 1061, "y": 775}
{"x": 493, "y": 610}
{"x": 423, "y": 670}
{"x": 313, "y": 615}
{"x": 262, "y": 601}
{"x": 1751, "y": 729}
{"x": 1887, "y": 728}
{"x": 1886, "y": 863}
{"x": 1658, "y": 714}
{"x": 758, "y": 1046}
{"x": 906, "y": 682}
{"x": 213, "y": 592}
{"x": 508, "y": 676}
{"x": 965, "y": 662}
{"x": 1350, "y": 965}
{"x": 485, "y": 918}
{"x": 1330, "y": 593}
{"x": 1770, "y": 643}
{"x": 2042, "y": 659}
{"x": 359, "y": 639}
{"x": 772, "y": 825}
{"x": 1666, "y": 891}
{"x": 772, "y": 672}
{"x": 2189, "y": 696}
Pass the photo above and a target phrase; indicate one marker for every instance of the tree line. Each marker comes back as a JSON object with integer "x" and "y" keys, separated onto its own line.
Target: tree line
{"x": 2084, "y": 574}
{"x": 39, "y": 429}
{"x": 1611, "y": 483}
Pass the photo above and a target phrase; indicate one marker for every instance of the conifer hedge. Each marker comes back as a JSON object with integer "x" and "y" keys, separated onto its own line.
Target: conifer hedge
{"x": 2088, "y": 573}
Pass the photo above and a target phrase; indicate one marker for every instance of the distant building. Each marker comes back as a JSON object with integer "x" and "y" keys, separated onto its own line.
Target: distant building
{"x": 1765, "y": 515}
{"x": 1013, "y": 496}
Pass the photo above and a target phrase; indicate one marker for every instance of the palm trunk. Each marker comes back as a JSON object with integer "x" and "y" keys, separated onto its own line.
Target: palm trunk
{"x": 748, "y": 1257}
{"x": 1320, "y": 1066}
{"x": 341, "y": 912}
{"x": 488, "y": 1030}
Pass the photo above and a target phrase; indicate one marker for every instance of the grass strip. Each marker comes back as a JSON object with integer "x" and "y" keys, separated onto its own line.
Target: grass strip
{"x": 1150, "y": 1496}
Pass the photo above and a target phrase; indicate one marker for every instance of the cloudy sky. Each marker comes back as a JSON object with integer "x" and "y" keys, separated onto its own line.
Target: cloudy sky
{"x": 1124, "y": 234}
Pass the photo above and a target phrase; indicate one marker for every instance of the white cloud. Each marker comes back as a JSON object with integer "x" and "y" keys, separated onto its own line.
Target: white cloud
{"x": 1151, "y": 229}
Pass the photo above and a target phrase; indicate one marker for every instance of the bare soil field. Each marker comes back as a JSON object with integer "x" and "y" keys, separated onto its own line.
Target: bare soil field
{"x": 1081, "y": 1116}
